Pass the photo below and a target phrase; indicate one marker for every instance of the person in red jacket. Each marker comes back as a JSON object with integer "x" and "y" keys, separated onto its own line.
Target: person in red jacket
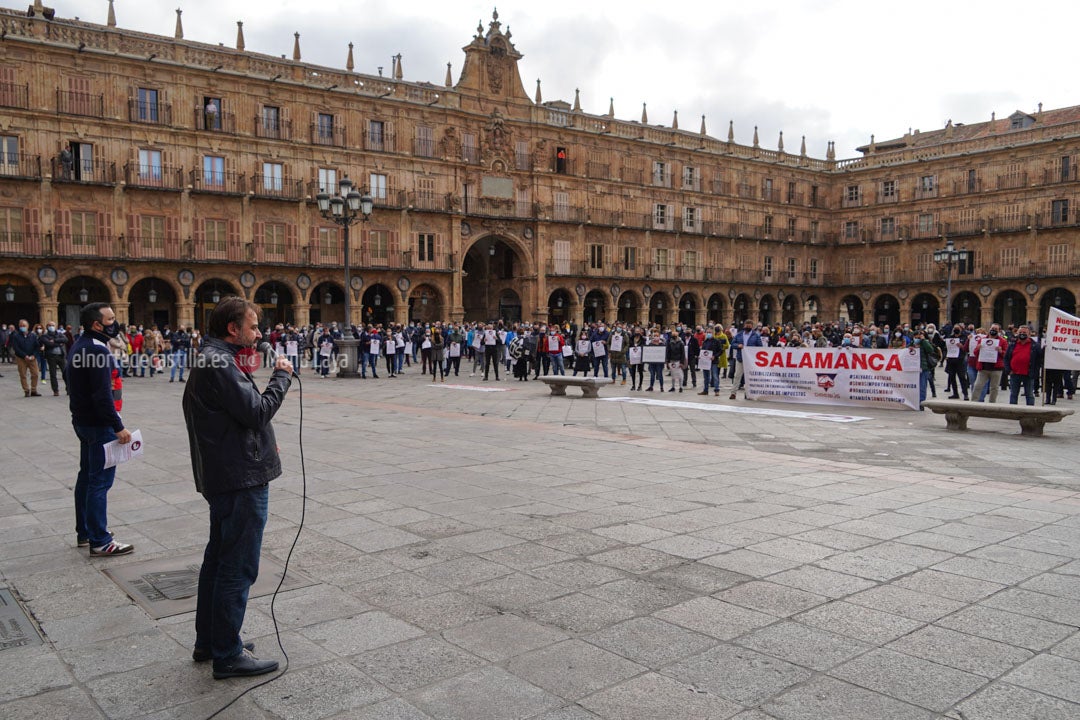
{"x": 990, "y": 358}
{"x": 1024, "y": 358}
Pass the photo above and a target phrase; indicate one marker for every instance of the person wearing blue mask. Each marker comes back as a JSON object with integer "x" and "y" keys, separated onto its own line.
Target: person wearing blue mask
{"x": 25, "y": 346}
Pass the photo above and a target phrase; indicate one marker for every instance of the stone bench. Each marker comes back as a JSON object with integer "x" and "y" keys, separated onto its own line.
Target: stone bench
{"x": 1032, "y": 419}
{"x": 590, "y": 386}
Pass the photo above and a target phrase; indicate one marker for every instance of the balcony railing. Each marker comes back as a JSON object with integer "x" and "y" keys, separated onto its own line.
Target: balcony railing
{"x": 692, "y": 184}
{"x": 523, "y": 162}
{"x": 20, "y": 244}
{"x": 155, "y": 177}
{"x": 470, "y": 154}
{"x": 149, "y": 113}
{"x": 149, "y": 248}
{"x": 1051, "y": 175}
{"x": 1012, "y": 181}
{"x": 14, "y": 96}
{"x": 890, "y": 197}
{"x": 77, "y": 103}
{"x": 424, "y": 147}
{"x": 770, "y": 194}
{"x": 19, "y": 165}
{"x": 852, "y": 201}
{"x": 745, "y": 190}
{"x": 379, "y": 141}
{"x": 221, "y": 122}
{"x": 387, "y": 196}
{"x": 967, "y": 187}
{"x": 221, "y": 183}
{"x": 271, "y": 129}
{"x": 329, "y": 135}
{"x": 90, "y": 172}
{"x": 632, "y": 175}
{"x": 424, "y": 200}
{"x": 272, "y": 186}
{"x": 922, "y": 193}
{"x": 721, "y": 187}
{"x": 1010, "y": 223}
{"x": 598, "y": 170}
{"x": 83, "y": 246}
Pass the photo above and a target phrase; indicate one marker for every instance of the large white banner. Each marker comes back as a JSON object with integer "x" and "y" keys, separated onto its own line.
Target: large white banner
{"x": 834, "y": 376}
{"x": 1062, "y": 341}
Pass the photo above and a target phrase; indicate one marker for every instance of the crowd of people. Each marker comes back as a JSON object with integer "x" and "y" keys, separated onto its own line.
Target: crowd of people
{"x": 978, "y": 362}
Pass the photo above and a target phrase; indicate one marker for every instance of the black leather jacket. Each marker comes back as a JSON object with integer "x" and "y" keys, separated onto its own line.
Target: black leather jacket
{"x": 228, "y": 421}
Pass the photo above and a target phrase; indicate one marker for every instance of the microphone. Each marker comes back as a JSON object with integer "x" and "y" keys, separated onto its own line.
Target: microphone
{"x": 265, "y": 348}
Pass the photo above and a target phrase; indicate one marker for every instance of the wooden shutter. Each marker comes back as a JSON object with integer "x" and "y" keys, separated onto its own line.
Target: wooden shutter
{"x": 31, "y": 224}
{"x": 393, "y": 248}
{"x": 292, "y": 243}
{"x": 257, "y": 249}
{"x": 198, "y": 233}
{"x": 233, "y": 239}
{"x": 172, "y": 237}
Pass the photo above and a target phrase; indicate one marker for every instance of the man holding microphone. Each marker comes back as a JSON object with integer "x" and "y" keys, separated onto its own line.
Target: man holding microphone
{"x": 234, "y": 456}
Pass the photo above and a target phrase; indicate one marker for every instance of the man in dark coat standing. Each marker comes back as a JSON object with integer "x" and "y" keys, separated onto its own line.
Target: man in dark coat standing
{"x": 234, "y": 456}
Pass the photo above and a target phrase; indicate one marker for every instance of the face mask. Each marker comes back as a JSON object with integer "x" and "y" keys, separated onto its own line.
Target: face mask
{"x": 111, "y": 330}
{"x": 993, "y": 333}
{"x": 23, "y": 329}
{"x": 1022, "y": 337}
{"x": 51, "y": 328}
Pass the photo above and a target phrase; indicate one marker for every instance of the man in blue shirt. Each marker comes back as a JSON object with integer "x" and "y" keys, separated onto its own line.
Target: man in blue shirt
{"x": 745, "y": 338}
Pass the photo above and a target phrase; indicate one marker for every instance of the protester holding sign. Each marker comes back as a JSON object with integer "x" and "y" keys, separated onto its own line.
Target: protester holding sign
{"x": 990, "y": 357}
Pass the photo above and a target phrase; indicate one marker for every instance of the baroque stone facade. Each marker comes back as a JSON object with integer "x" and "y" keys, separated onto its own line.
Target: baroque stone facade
{"x": 158, "y": 173}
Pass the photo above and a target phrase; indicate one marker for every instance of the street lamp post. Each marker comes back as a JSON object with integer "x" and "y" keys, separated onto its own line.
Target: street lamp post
{"x": 346, "y": 209}
{"x": 949, "y": 255}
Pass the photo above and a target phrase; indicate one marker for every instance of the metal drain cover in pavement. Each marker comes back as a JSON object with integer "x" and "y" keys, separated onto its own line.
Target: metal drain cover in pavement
{"x": 16, "y": 630}
{"x": 168, "y": 586}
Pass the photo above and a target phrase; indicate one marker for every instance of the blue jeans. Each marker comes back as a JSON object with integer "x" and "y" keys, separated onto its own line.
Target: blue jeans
{"x": 373, "y": 363}
{"x": 92, "y": 485}
{"x": 711, "y": 377}
{"x": 924, "y": 378}
{"x": 1028, "y": 383}
{"x": 656, "y": 372}
{"x": 557, "y": 364}
{"x": 399, "y": 359}
{"x": 179, "y": 362}
{"x": 229, "y": 569}
{"x": 597, "y": 363}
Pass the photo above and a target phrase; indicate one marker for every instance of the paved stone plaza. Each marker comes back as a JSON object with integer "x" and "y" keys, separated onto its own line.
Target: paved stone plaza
{"x": 501, "y": 555}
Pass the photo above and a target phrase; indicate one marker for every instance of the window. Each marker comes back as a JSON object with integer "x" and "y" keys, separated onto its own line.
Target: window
{"x": 888, "y": 227}
{"x": 271, "y": 120}
{"x": 9, "y": 155}
{"x": 972, "y": 181}
{"x": 425, "y": 247}
{"x": 213, "y": 171}
{"x": 425, "y": 193}
{"x": 790, "y": 192}
{"x": 561, "y": 256}
{"x": 523, "y": 202}
{"x": 661, "y": 175}
{"x": 469, "y": 152}
{"x": 926, "y": 223}
{"x": 521, "y": 155}
{"x": 813, "y": 268}
{"x": 690, "y": 219}
{"x": 378, "y": 244}
{"x": 274, "y": 238}
{"x": 328, "y": 242}
{"x": 562, "y": 206}
{"x": 926, "y": 184}
{"x": 596, "y": 257}
{"x": 211, "y": 114}
{"x": 11, "y": 225}
{"x": 792, "y": 268}
{"x": 328, "y": 181}
{"x": 851, "y": 267}
{"x": 1058, "y": 254}
{"x": 82, "y": 165}
{"x": 629, "y": 255}
{"x": 1059, "y": 212}
{"x": 324, "y": 128}
{"x": 852, "y": 194}
{"x": 768, "y": 227}
{"x": 814, "y": 195}
{"x": 560, "y": 160}
{"x": 767, "y": 265}
{"x": 888, "y": 190}
{"x": 84, "y": 229}
{"x": 767, "y": 190}
{"x": 147, "y": 105}
{"x": 1011, "y": 215}
{"x": 376, "y": 135}
{"x": 746, "y": 262}
{"x": 215, "y": 230}
{"x": 660, "y": 216}
{"x": 152, "y": 232}
{"x": 887, "y": 265}
{"x": 377, "y": 186}
{"x": 272, "y": 176}
{"x": 1010, "y": 256}
{"x": 660, "y": 257}
{"x": 1066, "y": 168}
{"x": 691, "y": 180}
{"x": 813, "y": 230}
{"x": 425, "y": 141}
{"x": 690, "y": 259}
{"x": 150, "y": 170}
{"x": 851, "y": 229}
{"x": 924, "y": 262}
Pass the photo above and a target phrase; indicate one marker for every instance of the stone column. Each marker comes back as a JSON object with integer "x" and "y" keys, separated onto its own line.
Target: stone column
{"x": 301, "y": 314}
{"x": 47, "y": 311}
{"x": 185, "y": 314}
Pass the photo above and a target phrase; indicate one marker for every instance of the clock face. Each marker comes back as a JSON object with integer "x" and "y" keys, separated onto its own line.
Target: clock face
{"x": 357, "y": 282}
{"x": 47, "y": 275}
{"x": 303, "y": 282}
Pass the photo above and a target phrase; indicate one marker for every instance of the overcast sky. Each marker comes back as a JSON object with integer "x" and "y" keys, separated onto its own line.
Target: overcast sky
{"x": 828, "y": 69}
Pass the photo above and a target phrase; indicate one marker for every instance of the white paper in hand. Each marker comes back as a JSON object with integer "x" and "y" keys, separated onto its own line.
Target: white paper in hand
{"x": 115, "y": 453}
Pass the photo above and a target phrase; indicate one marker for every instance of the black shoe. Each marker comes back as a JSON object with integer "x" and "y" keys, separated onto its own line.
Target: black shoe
{"x": 203, "y": 654}
{"x": 243, "y": 665}
{"x": 954, "y": 397}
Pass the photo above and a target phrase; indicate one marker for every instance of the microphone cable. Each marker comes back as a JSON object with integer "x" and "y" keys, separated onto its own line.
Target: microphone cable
{"x": 288, "y": 557}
